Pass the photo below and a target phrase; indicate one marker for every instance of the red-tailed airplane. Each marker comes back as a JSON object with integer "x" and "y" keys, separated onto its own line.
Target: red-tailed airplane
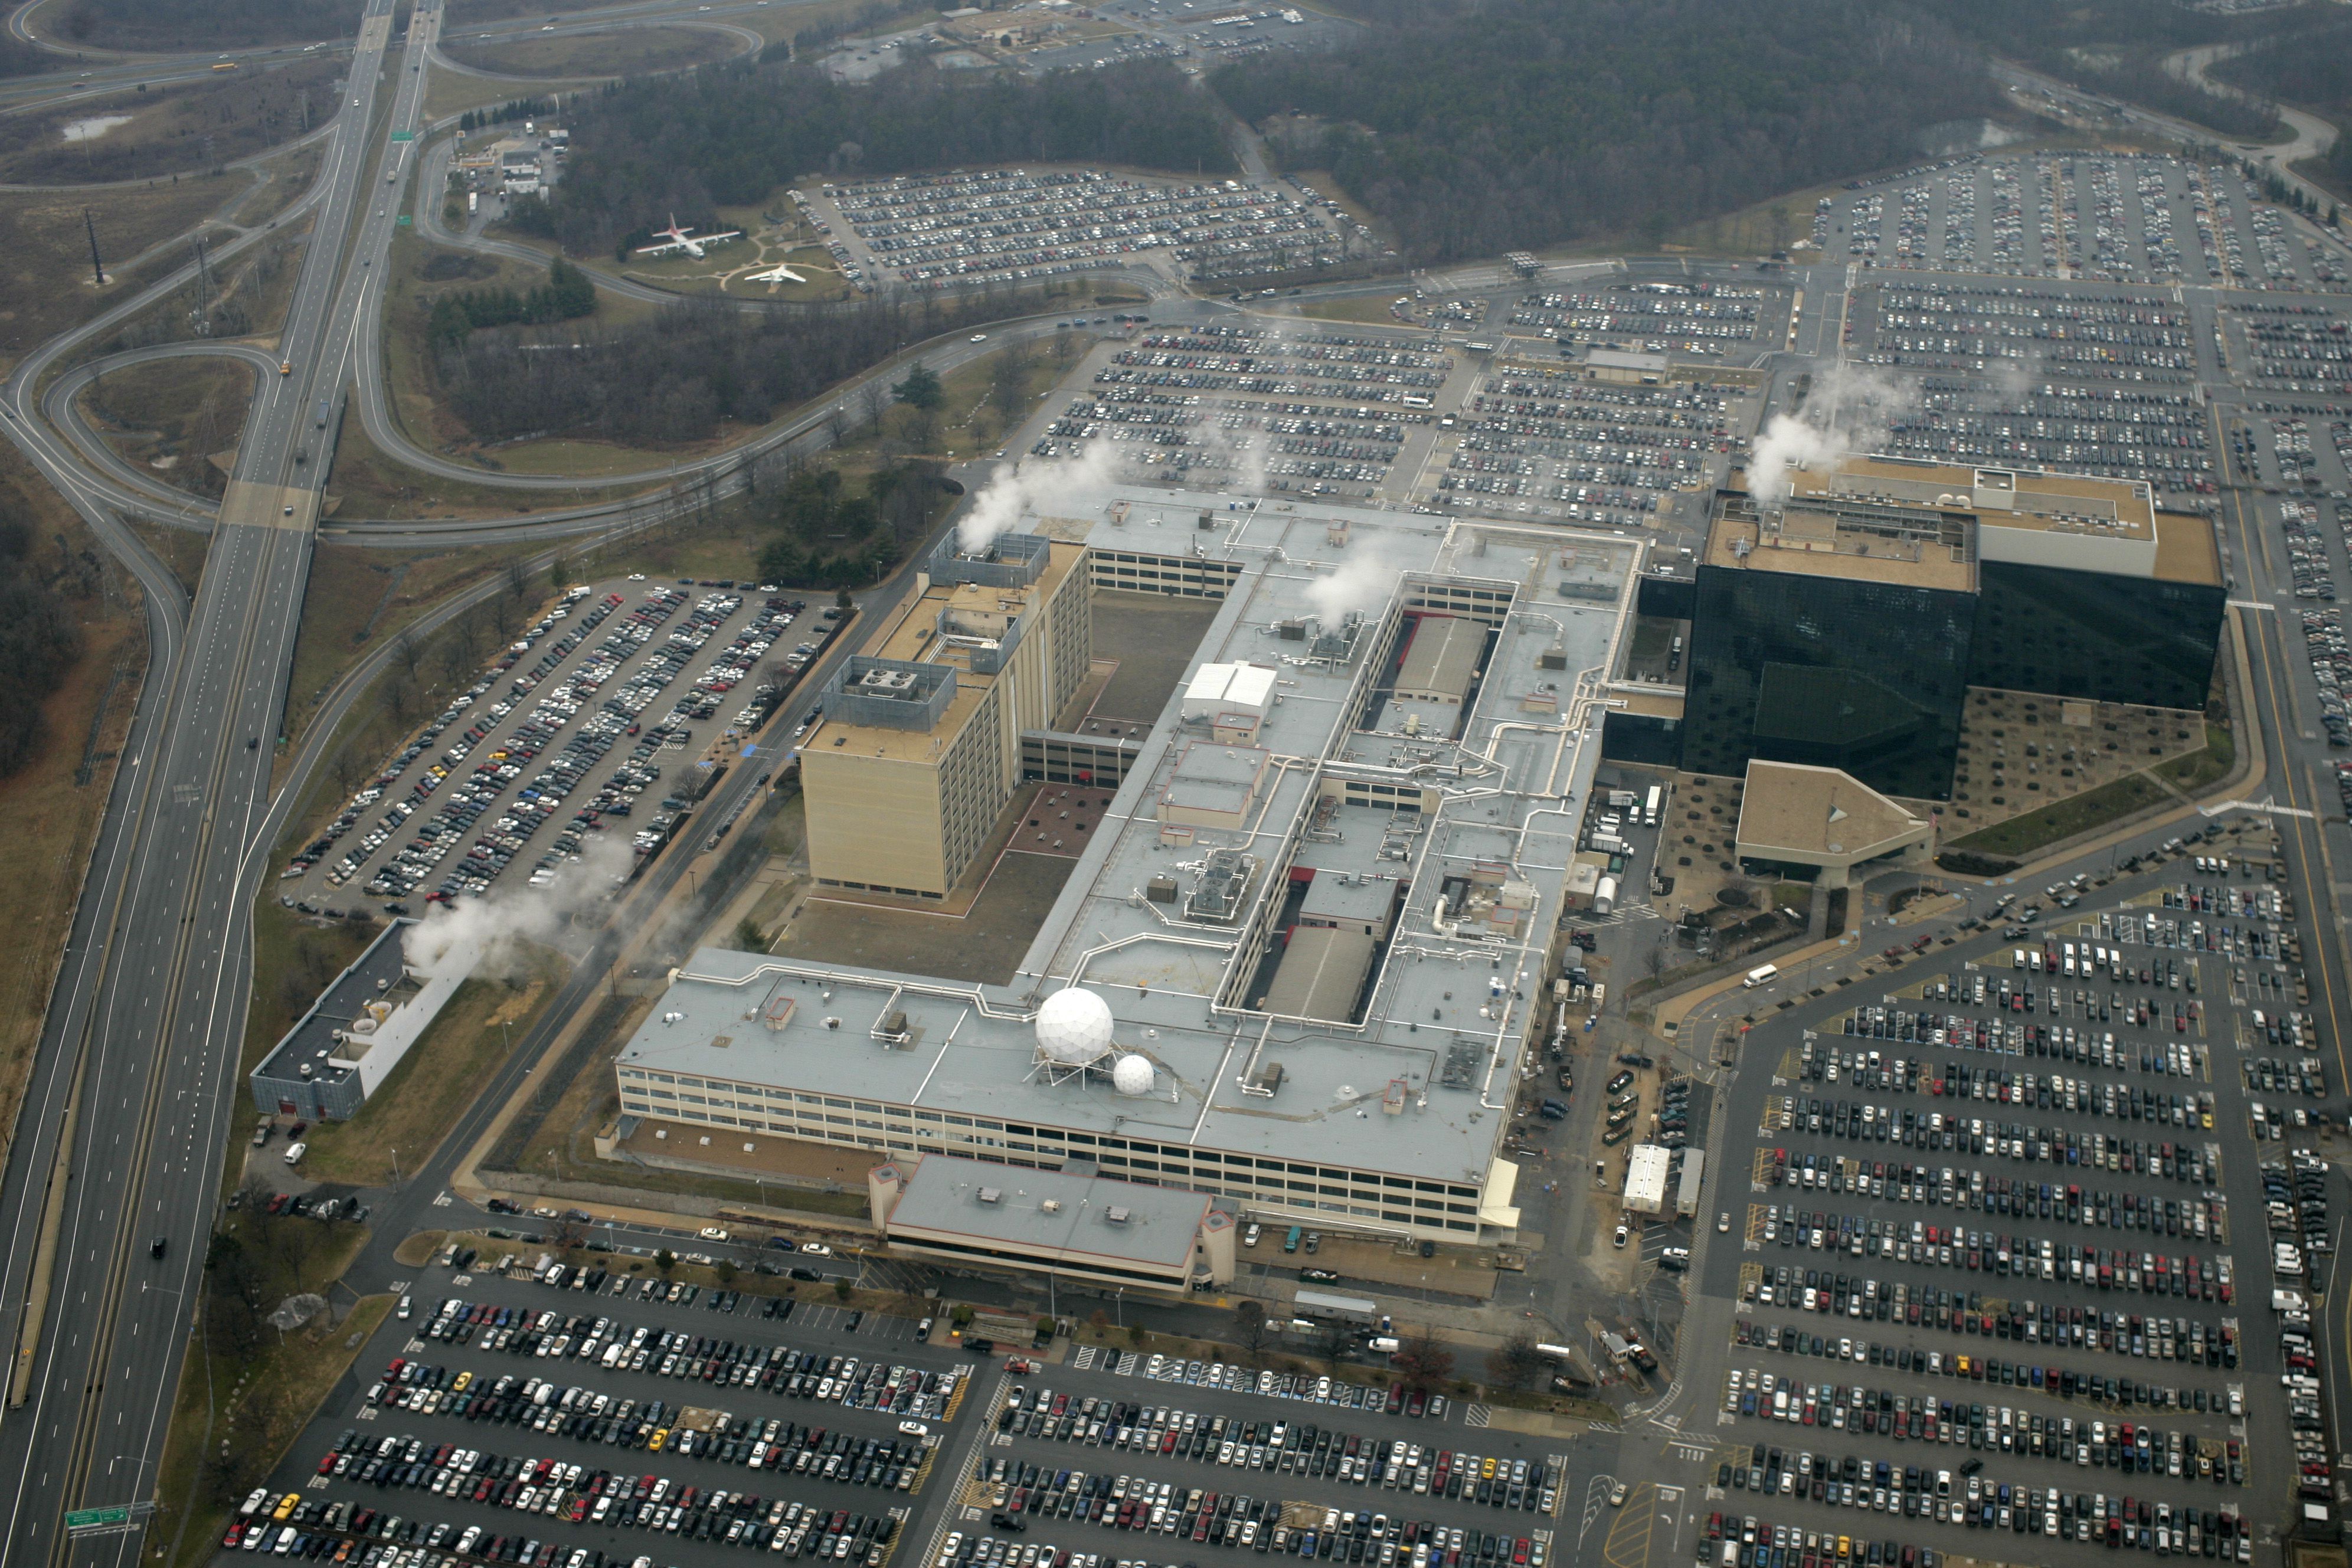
{"x": 675, "y": 240}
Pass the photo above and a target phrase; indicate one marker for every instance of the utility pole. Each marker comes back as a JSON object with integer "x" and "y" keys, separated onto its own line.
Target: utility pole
{"x": 90, "y": 225}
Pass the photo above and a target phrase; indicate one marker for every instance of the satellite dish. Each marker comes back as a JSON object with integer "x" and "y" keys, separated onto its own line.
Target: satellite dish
{"x": 1074, "y": 1027}
{"x": 1132, "y": 1075}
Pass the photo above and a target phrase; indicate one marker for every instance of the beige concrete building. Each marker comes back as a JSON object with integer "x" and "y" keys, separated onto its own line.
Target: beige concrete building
{"x": 1795, "y": 815}
{"x": 921, "y": 742}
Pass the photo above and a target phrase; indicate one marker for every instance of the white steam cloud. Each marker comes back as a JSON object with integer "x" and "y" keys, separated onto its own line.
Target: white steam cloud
{"x": 1364, "y": 582}
{"x": 485, "y": 936}
{"x": 1042, "y": 486}
{"x": 1849, "y": 410}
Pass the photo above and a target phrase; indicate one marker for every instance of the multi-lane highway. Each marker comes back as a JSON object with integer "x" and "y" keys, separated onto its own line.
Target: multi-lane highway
{"x": 150, "y": 1010}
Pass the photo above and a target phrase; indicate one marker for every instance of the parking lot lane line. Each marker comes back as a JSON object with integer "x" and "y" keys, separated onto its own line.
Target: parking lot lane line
{"x": 966, "y": 1462}
{"x": 1627, "y": 1542}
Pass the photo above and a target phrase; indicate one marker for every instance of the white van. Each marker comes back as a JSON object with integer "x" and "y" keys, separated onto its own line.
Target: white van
{"x": 294, "y": 1154}
{"x": 1756, "y": 976}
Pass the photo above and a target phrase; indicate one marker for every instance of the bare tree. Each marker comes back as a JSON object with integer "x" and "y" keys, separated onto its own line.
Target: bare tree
{"x": 874, "y": 399}
{"x": 517, "y": 578}
{"x": 1514, "y": 1364}
{"x": 1424, "y": 1360}
{"x": 1251, "y": 1330}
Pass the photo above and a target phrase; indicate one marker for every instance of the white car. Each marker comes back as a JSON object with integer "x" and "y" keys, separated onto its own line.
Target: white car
{"x": 980, "y": 337}
{"x": 914, "y": 1429}
{"x": 816, "y": 1250}
{"x": 1723, "y": 1222}
{"x": 712, "y": 1233}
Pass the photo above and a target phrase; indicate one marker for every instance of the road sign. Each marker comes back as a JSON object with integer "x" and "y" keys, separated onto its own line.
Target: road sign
{"x": 404, "y": 136}
{"x": 400, "y": 221}
{"x": 84, "y": 1520}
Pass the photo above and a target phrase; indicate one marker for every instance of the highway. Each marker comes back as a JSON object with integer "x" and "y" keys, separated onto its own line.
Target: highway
{"x": 150, "y": 1010}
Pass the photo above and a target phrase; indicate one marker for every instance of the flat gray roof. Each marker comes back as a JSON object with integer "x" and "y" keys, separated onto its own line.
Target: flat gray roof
{"x": 1321, "y": 974}
{"x": 1336, "y": 895}
{"x": 1442, "y": 657}
{"x": 312, "y": 1037}
{"x": 1067, "y": 1212}
{"x": 1175, "y": 991}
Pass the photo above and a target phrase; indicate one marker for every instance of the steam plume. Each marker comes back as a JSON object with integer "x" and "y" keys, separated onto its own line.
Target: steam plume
{"x": 1849, "y": 411}
{"x": 484, "y": 936}
{"x": 1031, "y": 486}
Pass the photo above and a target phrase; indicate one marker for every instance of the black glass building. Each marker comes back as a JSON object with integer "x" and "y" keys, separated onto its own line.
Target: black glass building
{"x": 2087, "y": 634}
{"x": 1837, "y": 672}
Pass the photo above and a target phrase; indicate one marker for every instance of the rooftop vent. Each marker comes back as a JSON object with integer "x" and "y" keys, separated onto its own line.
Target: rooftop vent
{"x": 992, "y": 1195}
{"x": 1114, "y": 1215}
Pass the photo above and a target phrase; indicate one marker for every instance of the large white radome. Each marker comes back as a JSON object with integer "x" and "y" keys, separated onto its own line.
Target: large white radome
{"x": 1074, "y": 1027}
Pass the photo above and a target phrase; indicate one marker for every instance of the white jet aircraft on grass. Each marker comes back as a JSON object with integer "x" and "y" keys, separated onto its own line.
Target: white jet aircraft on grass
{"x": 775, "y": 275}
{"x": 675, "y": 241}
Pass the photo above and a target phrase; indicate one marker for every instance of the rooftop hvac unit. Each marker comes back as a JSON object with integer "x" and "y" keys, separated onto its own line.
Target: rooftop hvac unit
{"x": 1116, "y": 1216}
{"x": 991, "y": 1195}
{"x": 1051, "y": 1205}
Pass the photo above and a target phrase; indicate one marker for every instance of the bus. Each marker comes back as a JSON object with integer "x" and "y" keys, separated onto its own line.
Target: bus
{"x": 226, "y": 66}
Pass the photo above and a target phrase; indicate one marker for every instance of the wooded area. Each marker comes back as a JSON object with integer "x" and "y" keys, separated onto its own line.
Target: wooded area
{"x": 38, "y": 640}
{"x": 730, "y": 134}
{"x": 2118, "y": 47}
{"x": 206, "y": 24}
{"x": 566, "y": 296}
{"x": 672, "y": 378}
{"x": 2310, "y": 66}
{"x": 1531, "y": 122}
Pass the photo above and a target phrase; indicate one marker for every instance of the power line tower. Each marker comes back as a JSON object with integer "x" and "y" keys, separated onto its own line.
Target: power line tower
{"x": 201, "y": 321}
{"x": 96, "y": 270}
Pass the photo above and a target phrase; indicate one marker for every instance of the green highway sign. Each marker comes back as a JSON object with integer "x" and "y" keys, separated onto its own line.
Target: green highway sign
{"x": 404, "y": 136}
{"x": 401, "y": 221}
{"x": 98, "y": 1518}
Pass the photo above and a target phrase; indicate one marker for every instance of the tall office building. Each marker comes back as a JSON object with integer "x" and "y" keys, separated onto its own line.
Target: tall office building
{"x": 1842, "y": 627}
{"x": 920, "y": 744}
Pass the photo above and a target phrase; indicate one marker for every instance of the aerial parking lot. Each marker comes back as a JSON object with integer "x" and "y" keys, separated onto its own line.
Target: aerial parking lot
{"x": 610, "y": 716}
{"x": 591, "y": 1415}
{"x": 1299, "y": 409}
{"x": 1552, "y": 444}
{"x": 2016, "y": 1211}
{"x": 942, "y": 230}
{"x": 2122, "y": 218}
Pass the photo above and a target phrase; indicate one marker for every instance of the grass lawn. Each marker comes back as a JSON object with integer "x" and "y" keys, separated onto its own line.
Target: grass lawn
{"x": 2021, "y": 836}
{"x": 2202, "y": 769}
{"x": 180, "y": 129}
{"x": 260, "y": 1407}
{"x": 182, "y": 549}
{"x": 631, "y": 51}
{"x": 45, "y": 282}
{"x": 423, "y": 1097}
{"x": 358, "y": 598}
{"x": 174, "y": 416}
{"x": 450, "y": 93}
{"x": 1367, "y": 307}
{"x": 51, "y": 807}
